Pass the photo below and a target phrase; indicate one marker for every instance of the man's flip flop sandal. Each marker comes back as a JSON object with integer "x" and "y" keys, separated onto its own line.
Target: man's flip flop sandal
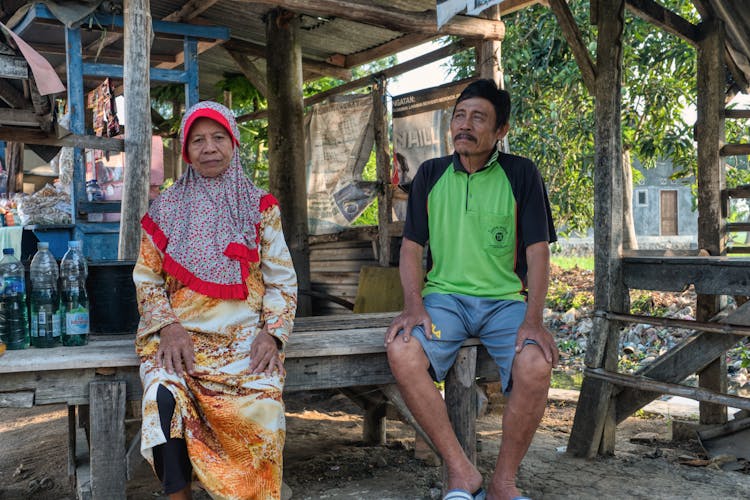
{"x": 465, "y": 495}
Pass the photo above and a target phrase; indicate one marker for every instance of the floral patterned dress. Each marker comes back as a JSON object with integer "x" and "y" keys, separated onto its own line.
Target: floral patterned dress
{"x": 232, "y": 421}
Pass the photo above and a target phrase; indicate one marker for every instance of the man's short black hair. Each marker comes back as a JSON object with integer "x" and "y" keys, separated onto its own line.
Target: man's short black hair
{"x": 487, "y": 89}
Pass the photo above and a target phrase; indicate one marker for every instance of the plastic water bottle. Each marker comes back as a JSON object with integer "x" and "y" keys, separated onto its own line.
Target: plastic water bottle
{"x": 75, "y": 302}
{"x": 46, "y": 327}
{"x": 14, "y": 324}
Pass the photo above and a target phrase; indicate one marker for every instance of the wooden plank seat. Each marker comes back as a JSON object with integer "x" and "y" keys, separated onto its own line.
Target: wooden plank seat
{"x": 332, "y": 352}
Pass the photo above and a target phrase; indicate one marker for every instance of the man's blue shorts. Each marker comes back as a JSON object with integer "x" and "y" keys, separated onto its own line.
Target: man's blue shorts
{"x": 458, "y": 317}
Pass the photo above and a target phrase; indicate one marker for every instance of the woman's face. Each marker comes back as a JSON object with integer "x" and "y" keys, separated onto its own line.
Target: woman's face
{"x": 209, "y": 147}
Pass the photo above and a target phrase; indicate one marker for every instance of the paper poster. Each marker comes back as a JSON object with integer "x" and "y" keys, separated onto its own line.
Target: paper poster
{"x": 339, "y": 140}
{"x": 421, "y": 130}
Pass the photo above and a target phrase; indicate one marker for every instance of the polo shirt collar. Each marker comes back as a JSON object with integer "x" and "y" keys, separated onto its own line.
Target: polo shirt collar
{"x": 458, "y": 167}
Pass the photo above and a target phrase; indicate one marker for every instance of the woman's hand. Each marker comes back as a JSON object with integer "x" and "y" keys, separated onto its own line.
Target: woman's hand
{"x": 175, "y": 349}
{"x": 265, "y": 356}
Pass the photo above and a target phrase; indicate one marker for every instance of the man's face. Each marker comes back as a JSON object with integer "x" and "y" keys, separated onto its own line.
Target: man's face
{"x": 473, "y": 128}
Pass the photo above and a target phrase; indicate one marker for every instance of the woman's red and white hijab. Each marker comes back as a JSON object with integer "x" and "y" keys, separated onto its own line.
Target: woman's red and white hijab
{"x": 208, "y": 228}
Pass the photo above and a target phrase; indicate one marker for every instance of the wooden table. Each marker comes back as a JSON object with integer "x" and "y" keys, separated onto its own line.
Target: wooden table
{"x": 325, "y": 352}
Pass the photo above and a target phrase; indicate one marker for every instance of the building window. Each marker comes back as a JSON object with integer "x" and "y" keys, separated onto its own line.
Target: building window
{"x": 641, "y": 198}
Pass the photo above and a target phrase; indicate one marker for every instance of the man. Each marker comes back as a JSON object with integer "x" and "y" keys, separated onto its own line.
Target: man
{"x": 489, "y": 225}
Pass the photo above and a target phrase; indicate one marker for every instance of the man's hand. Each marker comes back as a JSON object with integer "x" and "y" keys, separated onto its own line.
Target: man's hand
{"x": 175, "y": 349}
{"x": 539, "y": 334}
{"x": 406, "y": 321}
{"x": 264, "y": 355}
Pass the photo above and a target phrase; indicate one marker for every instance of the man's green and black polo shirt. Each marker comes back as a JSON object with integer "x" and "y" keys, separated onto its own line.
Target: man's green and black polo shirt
{"x": 478, "y": 225}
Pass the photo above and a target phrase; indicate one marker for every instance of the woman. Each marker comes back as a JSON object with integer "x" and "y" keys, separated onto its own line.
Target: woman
{"x": 217, "y": 295}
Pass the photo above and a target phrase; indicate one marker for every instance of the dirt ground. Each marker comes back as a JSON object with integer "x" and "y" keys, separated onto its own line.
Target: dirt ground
{"x": 325, "y": 459}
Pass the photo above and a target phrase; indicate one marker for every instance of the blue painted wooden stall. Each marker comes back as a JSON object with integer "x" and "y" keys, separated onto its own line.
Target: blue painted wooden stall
{"x": 100, "y": 239}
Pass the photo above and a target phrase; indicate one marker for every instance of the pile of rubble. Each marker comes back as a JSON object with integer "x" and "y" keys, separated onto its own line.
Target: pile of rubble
{"x": 569, "y": 318}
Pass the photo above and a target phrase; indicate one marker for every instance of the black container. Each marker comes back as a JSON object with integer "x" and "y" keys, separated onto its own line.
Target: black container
{"x": 112, "y": 302}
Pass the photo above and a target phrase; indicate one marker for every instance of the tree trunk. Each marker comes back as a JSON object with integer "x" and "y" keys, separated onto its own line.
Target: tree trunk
{"x": 629, "y": 240}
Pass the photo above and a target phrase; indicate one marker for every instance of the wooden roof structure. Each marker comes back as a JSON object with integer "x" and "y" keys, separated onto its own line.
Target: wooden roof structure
{"x": 277, "y": 44}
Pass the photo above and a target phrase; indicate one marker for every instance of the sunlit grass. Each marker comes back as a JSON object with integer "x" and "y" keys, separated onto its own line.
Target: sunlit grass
{"x": 571, "y": 262}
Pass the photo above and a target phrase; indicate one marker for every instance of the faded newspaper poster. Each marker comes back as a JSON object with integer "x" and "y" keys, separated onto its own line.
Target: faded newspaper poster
{"x": 421, "y": 130}
{"x": 338, "y": 143}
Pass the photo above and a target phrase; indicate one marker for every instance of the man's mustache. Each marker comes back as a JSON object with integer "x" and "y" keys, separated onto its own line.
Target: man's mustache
{"x": 465, "y": 137}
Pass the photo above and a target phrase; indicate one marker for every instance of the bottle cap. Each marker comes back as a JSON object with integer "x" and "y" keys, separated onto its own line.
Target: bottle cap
{"x": 42, "y": 245}
{"x": 8, "y": 251}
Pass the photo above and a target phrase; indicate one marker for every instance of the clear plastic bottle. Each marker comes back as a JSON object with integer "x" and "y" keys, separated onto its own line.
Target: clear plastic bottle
{"x": 46, "y": 327}
{"x": 14, "y": 324}
{"x": 75, "y": 302}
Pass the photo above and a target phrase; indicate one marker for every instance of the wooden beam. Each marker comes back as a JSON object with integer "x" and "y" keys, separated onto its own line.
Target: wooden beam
{"x": 107, "y": 428}
{"x": 692, "y": 355}
{"x": 286, "y": 140}
{"x": 253, "y": 73}
{"x": 19, "y": 118}
{"x": 13, "y": 67}
{"x": 394, "y": 19}
{"x": 59, "y": 50}
{"x": 737, "y": 113}
{"x": 365, "y": 81}
{"x": 382, "y": 159}
{"x": 12, "y": 96}
{"x": 725, "y": 10}
{"x": 37, "y": 136}
{"x": 741, "y": 81}
{"x": 394, "y": 46}
{"x": 712, "y": 235}
{"x": 703, "y": 8}
{"x": 190, "y": 10}
{"x": 735, "y": 150}
{"x": 573, "y": 36}
{"x": 710, "y": 327}
{"x": 179, "y": 59}
{"x": 246, "y": 48}
{"x": 656, "y": 14}
{"x": 593, "y": 429}
{"x": 647, "y": 384}
{"x": 136, "y": 63}
{"x": 708, "y": 275}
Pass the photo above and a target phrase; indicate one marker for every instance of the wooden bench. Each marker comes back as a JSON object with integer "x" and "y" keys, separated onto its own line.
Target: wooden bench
{"x": 325, "y": 352}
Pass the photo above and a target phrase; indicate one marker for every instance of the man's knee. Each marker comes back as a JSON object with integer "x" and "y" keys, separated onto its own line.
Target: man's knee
{"x": 406, "y": 356}
{"x": 531, "y": 367}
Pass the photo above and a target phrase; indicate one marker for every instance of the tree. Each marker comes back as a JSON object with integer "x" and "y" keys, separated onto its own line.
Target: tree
{"x": 553, "y": 113}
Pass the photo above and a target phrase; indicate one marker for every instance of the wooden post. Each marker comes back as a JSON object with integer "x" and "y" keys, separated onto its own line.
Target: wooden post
{"x": 593, "y": 427}
{"x": 286, "y": 140}
{"x": 108, "y": 468}
{"x": 76, "y": 108}
{"x": 489, "y": 59}
{"x": 383, "y": 160}
{"x": 137, "y": 19}
{"x": 460, "y": 399}
{"x": 489, "y": 52}
{"x": 374, "y": 425}
{"x": 14, "y": 167}
{"x": 711, "y": 225}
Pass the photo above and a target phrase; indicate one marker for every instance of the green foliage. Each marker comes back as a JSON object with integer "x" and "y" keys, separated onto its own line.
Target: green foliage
{"x": 369, "y": 217}
{"x": 571, "y": 262}
{"x": 642, "y": 302}
{"x": 562, "y": 297}
{"x": 553, "y": 113}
